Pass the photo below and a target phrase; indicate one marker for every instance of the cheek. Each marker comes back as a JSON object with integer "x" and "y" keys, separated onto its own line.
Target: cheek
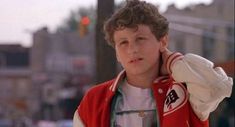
{"x": 119, "y": 56}
{"x": 153, "y": 53}
{"x": 154, "y": 49}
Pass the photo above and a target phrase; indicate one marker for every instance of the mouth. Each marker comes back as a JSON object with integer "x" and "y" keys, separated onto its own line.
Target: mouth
{"x": 135, "y": 60}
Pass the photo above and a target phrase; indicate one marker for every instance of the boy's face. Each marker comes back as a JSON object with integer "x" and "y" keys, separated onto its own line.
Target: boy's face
{"x": 138, "y": 50}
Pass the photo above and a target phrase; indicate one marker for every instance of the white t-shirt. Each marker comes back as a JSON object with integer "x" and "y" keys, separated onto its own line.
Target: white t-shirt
{"x": 137, "y": 107}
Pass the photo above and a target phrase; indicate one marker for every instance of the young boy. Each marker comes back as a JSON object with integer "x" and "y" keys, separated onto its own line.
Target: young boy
{"x": 157, "y": 88}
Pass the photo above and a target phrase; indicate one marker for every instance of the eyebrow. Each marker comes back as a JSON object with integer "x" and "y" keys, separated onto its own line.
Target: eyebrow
{"x": 120, "y": 39}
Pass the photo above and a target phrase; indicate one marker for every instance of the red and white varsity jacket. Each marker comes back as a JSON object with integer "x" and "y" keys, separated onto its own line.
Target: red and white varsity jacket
{"x": 178, "y": 105}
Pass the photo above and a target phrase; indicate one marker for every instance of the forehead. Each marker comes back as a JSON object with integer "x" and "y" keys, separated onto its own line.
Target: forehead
{"x": 126, "y": 31}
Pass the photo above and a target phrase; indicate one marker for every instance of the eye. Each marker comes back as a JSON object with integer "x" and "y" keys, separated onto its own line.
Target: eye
{"x": 141, "y": 38}
{"x": 123, "y": 42}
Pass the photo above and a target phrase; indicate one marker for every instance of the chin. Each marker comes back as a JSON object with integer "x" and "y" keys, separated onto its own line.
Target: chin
{"x": 135, "y": 71}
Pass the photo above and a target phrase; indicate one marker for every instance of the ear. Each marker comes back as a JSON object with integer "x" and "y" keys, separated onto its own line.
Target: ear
{"x": 164, "y": 42}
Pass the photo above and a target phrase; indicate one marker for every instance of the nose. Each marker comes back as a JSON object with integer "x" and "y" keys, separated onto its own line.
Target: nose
{"x": 133, "y": 47}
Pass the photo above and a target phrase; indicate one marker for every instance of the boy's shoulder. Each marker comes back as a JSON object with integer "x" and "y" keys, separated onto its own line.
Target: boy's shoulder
{"x": 100, "y": 90}
{"x": 93, "y": 100}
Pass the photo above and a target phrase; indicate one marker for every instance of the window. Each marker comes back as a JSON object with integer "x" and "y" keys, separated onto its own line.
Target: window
{"x": 230, "y": 42}
{"x": 208, "y": 45}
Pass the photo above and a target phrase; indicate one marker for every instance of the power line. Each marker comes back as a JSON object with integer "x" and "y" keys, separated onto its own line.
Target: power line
{"x": 200, "y": 32}
{"x": 199, "y": 21}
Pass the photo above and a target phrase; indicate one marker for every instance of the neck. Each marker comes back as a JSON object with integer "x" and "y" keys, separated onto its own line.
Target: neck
{"x": 144, "y": 80}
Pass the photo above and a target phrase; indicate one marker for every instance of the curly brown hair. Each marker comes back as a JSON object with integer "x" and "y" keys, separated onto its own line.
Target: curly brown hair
{"x": 134, "y": 13}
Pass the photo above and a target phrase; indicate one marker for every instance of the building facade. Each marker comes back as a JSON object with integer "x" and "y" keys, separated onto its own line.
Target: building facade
{"x": 55, "y": 59}
{"x": 15, "y": 82}
{"x": 206, "y": 30}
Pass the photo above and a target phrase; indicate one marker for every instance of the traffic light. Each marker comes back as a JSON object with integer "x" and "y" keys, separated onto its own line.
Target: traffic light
{"x": 83, "y": 26}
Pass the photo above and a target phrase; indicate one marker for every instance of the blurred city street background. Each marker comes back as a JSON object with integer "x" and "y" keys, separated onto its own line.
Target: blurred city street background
{"x": 45, "y": 69}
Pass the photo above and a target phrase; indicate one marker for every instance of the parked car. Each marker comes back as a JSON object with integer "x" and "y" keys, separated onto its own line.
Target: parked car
{"x": 64, "y": 123}
{"x": 5, "y": 123}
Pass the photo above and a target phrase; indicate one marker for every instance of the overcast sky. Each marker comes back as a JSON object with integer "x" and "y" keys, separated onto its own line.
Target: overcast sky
{"x": 18, "y": 18}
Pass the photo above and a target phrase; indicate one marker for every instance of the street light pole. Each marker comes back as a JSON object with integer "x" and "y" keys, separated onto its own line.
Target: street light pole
{"x": 105, "y": 55}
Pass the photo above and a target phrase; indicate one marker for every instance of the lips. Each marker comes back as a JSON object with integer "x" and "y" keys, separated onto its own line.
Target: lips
{"x": 135, "y": 60}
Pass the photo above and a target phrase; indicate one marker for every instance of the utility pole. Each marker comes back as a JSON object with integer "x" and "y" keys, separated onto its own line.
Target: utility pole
{"x": 105, "y": 55}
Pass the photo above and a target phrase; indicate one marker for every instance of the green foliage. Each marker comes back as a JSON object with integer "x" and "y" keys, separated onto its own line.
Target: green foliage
{"x": 72, "y": 22}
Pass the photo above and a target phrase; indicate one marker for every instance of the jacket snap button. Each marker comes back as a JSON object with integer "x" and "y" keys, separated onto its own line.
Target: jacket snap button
{"x": 106, "y": 100}
{"x": 160, "y": 91}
